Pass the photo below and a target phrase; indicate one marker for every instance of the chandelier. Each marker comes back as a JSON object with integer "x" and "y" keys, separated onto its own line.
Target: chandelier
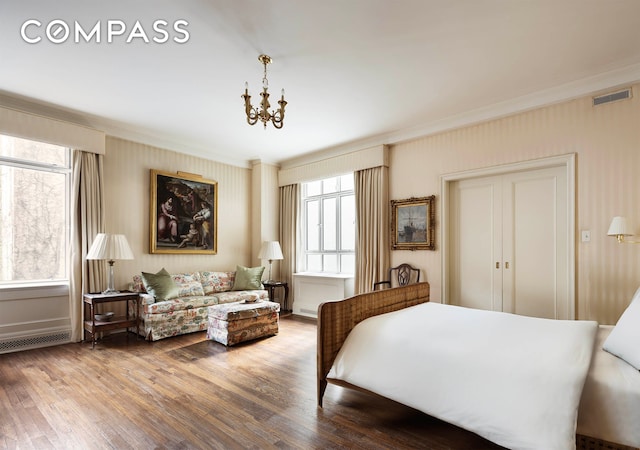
{"x": 263, "y": 114}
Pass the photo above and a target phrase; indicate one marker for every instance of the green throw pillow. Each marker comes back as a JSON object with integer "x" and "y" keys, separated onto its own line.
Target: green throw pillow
{"x": 248, "y": 278}
{"x": 160, "y": 285}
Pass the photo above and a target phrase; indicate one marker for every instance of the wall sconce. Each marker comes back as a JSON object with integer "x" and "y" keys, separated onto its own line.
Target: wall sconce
{"x": 620, "y": 228}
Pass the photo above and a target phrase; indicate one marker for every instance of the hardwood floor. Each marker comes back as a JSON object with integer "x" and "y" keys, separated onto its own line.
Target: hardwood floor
{"x": 187, "y": 392}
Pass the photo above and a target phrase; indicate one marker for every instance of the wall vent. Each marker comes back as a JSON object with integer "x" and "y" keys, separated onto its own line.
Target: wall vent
{"x": 37, "y": 341}
{"x": 308, "y": 311}
{"x": 625, "y": 94}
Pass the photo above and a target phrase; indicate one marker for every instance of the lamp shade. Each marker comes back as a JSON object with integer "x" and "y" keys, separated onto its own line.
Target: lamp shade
{"x": 270, "y": 250}
{"x": 619, "y": 227}
{"x": 110, "y": 247}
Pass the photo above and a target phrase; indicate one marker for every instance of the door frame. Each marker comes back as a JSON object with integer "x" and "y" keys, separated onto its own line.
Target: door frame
{"x": 567, "y": 161}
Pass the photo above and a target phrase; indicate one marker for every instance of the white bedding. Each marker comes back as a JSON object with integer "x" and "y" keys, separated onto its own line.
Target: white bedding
{"x": 610, "y": 405}
{"x": 514, "y": 380}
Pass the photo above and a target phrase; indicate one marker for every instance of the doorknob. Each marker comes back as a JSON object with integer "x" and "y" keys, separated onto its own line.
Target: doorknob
{"x": 506, "y": 265}
{"x": 497, "y": 264}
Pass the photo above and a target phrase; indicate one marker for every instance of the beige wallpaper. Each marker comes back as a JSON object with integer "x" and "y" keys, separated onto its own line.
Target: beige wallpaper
{"x": 127, "y": 179}
{"x": 606, "y": 140}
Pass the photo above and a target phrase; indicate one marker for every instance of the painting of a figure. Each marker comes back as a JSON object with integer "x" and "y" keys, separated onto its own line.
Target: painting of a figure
{"x": 412, "y": 224}
{"x": 183, "y": 215}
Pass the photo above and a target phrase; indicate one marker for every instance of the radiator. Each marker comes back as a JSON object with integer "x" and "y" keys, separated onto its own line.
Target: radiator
{"x": 19, "y": 343}
{"x": 312, "y": 289}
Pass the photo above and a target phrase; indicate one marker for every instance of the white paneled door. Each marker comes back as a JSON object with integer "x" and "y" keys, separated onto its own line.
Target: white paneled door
{"x": 508, "y": 243}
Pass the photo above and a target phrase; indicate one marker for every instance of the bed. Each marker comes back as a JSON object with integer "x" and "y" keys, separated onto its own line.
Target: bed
{"x": 559, "y": 370}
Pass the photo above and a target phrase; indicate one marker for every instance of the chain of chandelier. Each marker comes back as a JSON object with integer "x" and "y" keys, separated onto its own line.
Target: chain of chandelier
{"x": 262, "y": 113}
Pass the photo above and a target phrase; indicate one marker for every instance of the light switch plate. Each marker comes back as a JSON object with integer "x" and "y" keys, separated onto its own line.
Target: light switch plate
{"x": 586, "y": 236}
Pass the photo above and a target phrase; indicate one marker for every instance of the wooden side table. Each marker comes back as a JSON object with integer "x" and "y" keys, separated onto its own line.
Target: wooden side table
{"x": 93, "y": 326}
{"x": 271, "y": 287}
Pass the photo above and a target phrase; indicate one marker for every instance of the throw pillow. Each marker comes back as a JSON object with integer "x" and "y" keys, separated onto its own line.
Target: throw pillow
{"x": 214, "y": 282}
{"x": 188, "y": 284}
{"x": 160, "y": 285}
{"x": 248, "y": 278}
{"x": 624, "y": 340}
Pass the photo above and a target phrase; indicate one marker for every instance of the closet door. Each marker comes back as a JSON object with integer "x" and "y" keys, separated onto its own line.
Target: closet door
{"x": 508, "y": 246}
{"x": 476, "y": 246}
{"x": 535, "y": 250}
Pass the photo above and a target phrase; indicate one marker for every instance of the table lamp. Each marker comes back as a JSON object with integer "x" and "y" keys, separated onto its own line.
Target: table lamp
{"x": 110, "y": 247}
{"x": 270, "y": 250}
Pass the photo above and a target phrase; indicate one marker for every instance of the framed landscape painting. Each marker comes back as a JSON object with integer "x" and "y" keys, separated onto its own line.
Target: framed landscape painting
{"x": 183, "y": 213}
{"x": 413, "y": 224}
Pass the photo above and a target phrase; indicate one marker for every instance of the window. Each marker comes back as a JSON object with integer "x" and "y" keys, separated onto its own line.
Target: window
{"x": 329, "y": 216}
{"x": 34, "y": 211}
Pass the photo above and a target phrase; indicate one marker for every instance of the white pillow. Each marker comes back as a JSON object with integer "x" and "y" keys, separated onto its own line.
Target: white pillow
{"x": 624, "y": 340}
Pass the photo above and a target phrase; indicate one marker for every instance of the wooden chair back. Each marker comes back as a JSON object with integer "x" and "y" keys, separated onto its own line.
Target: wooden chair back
{"x": 401, "y": 275}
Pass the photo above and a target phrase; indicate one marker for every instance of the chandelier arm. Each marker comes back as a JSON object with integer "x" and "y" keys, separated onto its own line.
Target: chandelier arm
{"x": 250, "y": 111}
{"x": 247, "y": 104}
{"x": 278, "y": 115}
{"x": 282, "y": 104}
{"x": 252, "y": 118}
{"x": 276, "y": 119}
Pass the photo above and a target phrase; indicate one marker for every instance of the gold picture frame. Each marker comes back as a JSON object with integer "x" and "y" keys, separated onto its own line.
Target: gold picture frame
{"x": 413, "y": 223}
{"x": 183, "y": 214}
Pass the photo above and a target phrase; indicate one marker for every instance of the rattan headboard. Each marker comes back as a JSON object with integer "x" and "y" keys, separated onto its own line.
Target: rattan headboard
{"x": 336, "y": 319}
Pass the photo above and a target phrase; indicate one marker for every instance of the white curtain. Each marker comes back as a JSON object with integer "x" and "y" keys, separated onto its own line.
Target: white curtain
{"x": 87, "y": 220}
{"x": 372, "y": 227}
{"x": 289, "y": 234}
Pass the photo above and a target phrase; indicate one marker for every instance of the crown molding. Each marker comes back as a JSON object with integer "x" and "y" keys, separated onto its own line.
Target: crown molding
{"x": 606, "y": 81}
{"x": 113, "y": 128}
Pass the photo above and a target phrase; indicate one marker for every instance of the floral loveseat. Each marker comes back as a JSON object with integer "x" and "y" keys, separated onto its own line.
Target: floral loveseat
{"x": 186, "y": 311}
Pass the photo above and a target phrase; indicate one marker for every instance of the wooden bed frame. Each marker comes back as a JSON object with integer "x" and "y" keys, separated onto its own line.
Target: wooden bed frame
{"x": 336, "y": 319}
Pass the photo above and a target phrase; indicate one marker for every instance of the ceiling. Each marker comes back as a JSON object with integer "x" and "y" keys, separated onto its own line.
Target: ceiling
{"x": 357, "y": 73}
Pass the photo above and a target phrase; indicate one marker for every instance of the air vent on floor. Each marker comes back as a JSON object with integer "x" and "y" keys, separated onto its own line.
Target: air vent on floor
{"x": 35, "y": 341}
{"x": 625, "y": 94}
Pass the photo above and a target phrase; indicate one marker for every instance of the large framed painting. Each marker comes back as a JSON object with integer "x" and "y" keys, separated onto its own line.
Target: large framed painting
{"x": 183, "y": 213}
{"x": 413, "y": 224}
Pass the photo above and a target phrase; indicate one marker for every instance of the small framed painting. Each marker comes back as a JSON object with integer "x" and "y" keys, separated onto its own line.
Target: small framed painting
{"x": 183, "y": 213}
{"x": 413, "y": 224}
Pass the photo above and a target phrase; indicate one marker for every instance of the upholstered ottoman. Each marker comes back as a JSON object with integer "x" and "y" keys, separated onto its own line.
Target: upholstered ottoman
{"x": 231, "y": 323}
